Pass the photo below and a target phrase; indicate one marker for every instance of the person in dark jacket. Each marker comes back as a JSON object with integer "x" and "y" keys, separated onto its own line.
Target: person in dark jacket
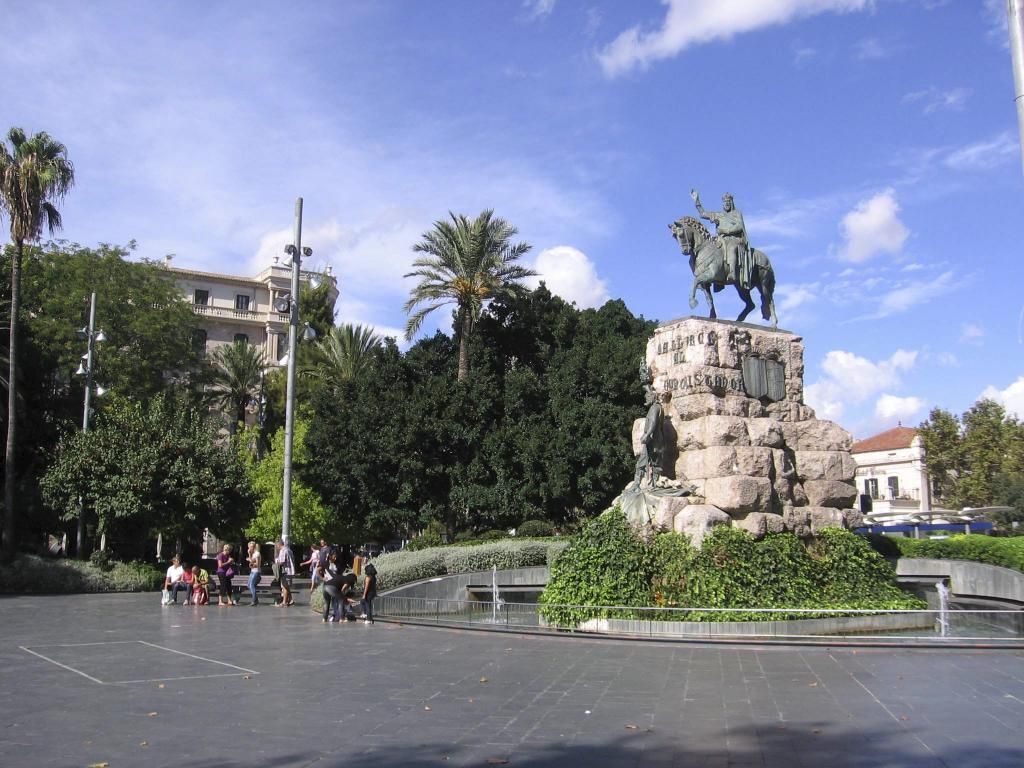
{"x": 369, "y": 592}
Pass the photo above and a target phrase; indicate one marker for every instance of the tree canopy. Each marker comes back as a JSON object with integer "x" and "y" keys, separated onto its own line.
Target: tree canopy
{"x": 466, "y": 263}
{"x": 977, "y": 459}
{"x": 150, "y": 468}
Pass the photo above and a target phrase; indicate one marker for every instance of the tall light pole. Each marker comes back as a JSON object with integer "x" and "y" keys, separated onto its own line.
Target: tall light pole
{"x": 296, "y": 251}
{"x": 90, "y": 335}
{"x": 1015, "y": 21}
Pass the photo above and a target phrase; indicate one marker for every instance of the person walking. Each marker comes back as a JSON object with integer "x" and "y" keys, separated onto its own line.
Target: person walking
{"x": 255, "y": 564}
{"x": 225, "y": 571}
{"x": 369, "y": 592}
{"x": 286, "y": 561}
{"x": 317, "y": 556}
{"x": 332, "y": 582}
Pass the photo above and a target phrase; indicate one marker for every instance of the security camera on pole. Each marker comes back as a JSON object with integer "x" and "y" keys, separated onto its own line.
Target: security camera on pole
{"x": 91, "y": 336}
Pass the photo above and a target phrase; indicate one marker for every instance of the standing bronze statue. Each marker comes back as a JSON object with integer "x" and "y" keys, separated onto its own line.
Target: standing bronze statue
{"x": 652, "y": 442}
{"x": 725, "y": 260}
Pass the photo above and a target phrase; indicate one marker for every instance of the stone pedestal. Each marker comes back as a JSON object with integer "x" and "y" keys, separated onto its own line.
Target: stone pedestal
{"x": 738, "y": 430}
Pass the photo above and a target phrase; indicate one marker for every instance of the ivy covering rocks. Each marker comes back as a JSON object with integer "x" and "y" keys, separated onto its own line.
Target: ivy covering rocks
{"x": 609, "y": 564}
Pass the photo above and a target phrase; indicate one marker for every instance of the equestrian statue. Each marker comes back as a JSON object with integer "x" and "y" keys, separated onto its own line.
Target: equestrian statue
{"x": 726, "y": 259}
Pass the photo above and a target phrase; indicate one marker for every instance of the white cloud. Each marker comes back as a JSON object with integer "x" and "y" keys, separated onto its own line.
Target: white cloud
{"x": 803, "y": 53}
{"x": 870, "y": 48}
{"x": 568, "y": 273}
{"x": 1011, "y": 398}
{"x": 791, "y": 297}
{"x": 893, "y": 408}
{"x": 905, "y": 297}
{"x": 935, "y": 100}
{"x": 852, "y": 379}
{"x": 971, "y": 333}
{"x": 873, "y": 228}
{"x": 693, "y": 22}
{"x": 984, "y": 155}
{"x": 538, "y": 8}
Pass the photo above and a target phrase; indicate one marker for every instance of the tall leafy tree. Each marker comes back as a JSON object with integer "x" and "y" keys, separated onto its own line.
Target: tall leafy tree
{"x": 345, "y": 353}
{"x": 310, "y": 519}
{"x": 975, "y": 460}
{"x": 237, "y": 371}
{"x": 466, "y": 263}
{"x": 148, "y": 468}
{"x": 943, "y": 451}
{"x": 35, "y": 175}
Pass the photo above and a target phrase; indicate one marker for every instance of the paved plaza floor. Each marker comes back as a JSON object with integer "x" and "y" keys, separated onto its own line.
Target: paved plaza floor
{"x": 118, "y": 680}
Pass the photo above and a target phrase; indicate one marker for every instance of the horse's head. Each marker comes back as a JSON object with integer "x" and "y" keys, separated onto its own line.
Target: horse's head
{"x": 683, "y": 234}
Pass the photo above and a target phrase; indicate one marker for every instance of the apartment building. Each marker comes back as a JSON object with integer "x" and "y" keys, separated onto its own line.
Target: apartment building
{"x": 891, "y": 471}
{"x": 235, "y": 308}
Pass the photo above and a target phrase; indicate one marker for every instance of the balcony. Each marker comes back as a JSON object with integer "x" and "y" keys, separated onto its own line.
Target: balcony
{"x": 229, "y": 313}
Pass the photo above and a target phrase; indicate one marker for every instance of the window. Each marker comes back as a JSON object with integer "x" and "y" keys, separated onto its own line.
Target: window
{"x": 242, "y": 337}
{"x": 242, "y": 302}
{"x": 871, "y": 487}
{"x": 894, "y": 487}
{"x": 201, "y": 297}
{"x": 199, "y": 341}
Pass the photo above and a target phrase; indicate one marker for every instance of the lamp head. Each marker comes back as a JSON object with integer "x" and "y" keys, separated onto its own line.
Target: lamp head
{"x": 283, "y": 304}
{"x": 81, "y": 370}
{"x": 307, "y": 251}
{"x": 101, "y": 336}
{"x": 290, "y": 249}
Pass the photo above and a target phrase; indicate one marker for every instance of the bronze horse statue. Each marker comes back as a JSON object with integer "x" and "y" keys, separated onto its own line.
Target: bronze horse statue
{"x": 707, "y": 262}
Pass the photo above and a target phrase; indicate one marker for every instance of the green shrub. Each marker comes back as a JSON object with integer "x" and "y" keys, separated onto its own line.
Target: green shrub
{"x": 605, "y": 565}
{"x": 397, "y": 568}
{"x": 535, "y": 529}
{"x": 426, "y": 540}
{"x": 609, "y": 565}
{"x": 29, "y": 573}
{"x": 886, "y": 546}
{"x": 1007, "y": 552}
{"x": 492, "y": 535}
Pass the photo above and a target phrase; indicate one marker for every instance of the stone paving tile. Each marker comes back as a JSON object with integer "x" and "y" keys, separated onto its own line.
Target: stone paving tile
{"x": 330, "y": 696}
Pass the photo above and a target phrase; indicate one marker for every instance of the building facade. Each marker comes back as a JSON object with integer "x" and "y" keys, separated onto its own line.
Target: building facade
{"x": 891, "y": 473}
{"x": 234, "y": 308}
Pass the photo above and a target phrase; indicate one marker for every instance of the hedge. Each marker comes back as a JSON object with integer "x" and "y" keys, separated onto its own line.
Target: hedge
{"x": 32, "y": 574}
{"x": 397, "y": 568}
{"x": 608, "y": 564}
{"x": 1007, "y": 552}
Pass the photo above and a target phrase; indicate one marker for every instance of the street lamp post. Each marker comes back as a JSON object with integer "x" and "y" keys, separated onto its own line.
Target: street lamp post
{"x": 91, "y": 336}
{"x": 296, "y": 251}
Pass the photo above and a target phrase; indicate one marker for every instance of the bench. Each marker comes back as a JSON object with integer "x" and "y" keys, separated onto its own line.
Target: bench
{"x": 265, "y": 587}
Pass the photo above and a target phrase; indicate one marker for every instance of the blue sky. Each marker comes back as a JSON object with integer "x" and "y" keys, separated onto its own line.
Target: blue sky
{"x": 871, "y": 145}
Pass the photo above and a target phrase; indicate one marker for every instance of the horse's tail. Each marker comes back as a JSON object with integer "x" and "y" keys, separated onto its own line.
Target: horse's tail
{"x": 767, "y": 289}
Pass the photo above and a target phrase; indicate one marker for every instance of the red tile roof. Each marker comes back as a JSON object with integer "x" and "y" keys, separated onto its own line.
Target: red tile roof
{"x": 890, "y": 440}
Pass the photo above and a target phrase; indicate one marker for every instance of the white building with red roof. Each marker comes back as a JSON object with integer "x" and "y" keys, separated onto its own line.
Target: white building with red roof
{"x": 891, "y": 472}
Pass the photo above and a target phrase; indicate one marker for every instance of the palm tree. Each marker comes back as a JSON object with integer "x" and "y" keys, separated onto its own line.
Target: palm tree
{"x": 35, "y": 173}
{"x": 467, "y": 263}
{"x": 237, "y": 373}
{"x": 344, "y": 354}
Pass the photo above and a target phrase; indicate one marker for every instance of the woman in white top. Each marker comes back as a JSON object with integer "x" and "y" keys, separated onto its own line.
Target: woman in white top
{"x": 255, "y": 561}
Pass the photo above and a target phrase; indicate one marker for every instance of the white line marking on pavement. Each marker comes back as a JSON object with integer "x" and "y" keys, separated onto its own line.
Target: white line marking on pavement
{"x": 65, "y": 666}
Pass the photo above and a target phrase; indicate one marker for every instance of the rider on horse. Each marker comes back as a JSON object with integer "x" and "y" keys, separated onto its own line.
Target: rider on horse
{"x": 732, "y": 233}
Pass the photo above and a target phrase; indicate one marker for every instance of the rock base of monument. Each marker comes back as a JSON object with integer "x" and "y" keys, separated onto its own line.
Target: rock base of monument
{"x": 737, "y": 430}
